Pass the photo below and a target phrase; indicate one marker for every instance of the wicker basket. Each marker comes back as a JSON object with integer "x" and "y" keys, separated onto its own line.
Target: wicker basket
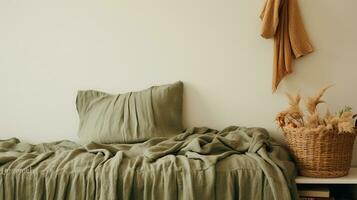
{"x": 320, "y": 152}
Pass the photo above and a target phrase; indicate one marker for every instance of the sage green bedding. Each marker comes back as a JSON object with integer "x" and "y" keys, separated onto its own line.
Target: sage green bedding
{"x": 130, "y": 117}
{"x": 200, "y": 163}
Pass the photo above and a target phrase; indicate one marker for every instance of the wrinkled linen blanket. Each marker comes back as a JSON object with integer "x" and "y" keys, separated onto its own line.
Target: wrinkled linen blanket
{"x": 200, "y": 163}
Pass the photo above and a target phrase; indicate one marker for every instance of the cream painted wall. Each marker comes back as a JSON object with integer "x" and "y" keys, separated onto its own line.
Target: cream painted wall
{"x": 51, "y": 49}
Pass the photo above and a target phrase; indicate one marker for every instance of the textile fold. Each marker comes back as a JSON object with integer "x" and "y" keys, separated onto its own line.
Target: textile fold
{"x": 282, "y": 21}
{"x": 200, "y": 163}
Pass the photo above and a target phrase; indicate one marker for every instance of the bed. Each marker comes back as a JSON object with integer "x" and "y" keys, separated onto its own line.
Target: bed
{"x": 200, "y": 163}
{"x": 133, "y": 146}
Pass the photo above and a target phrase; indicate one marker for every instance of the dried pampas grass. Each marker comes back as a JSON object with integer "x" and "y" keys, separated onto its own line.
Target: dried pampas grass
{"x": 294, "y": 109}
{"x": 293, "y": 117}
{"x": 345, "y": 123}
{"x": 345, "y": 127}
{"x": 312, "y": 102}
{"x": 313, "y": 121}
{"x": 330, "y": 121}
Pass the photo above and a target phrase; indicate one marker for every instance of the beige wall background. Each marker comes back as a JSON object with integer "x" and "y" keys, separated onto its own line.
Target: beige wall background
{"x": 51, "y": 49}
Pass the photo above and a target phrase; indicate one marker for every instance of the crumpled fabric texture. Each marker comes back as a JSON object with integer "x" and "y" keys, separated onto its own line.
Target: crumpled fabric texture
{"x": 200, "y": 163}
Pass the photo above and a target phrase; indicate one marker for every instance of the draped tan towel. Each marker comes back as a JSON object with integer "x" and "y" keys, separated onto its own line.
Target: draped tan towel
{"x": 282, "y": 20}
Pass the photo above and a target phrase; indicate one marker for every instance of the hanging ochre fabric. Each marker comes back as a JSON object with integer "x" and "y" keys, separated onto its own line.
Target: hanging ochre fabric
{"x": 281, "y": 20}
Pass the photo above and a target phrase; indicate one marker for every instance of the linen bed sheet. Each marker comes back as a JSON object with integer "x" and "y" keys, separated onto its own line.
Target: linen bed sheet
{"x": 200, "y": 163}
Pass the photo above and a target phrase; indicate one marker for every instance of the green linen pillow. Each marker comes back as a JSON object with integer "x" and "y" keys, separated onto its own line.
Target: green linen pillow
{"x": 130, "y": 117}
